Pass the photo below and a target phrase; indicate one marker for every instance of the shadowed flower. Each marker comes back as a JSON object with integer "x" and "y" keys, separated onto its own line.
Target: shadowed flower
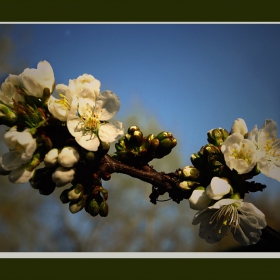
{"x": 21, "y": 145}
{"x": 243, "y": 219}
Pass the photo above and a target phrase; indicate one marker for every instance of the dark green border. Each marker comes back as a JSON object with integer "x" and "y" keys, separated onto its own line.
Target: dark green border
{"x": 45, "y": 269}
{"x": 136, "y": 11}
{"x": 145, "y": 10}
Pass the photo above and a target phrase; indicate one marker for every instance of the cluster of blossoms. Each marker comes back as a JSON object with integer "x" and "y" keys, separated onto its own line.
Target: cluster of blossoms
{"x": 217, "y": 180}
{"x": 59, "y": 134}
{"x": 62, "y": 134}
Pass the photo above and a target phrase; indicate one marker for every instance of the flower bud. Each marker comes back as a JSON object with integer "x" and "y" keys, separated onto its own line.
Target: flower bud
{"x": 93, "y": 208}
{"x": 63, "y": 176}
{"x": 51, "y": 158}
{"x": 132, "y": 129}
{"x": 239, "y": 126}
{"x": 187, "y": 185}
{"x": 90, "y": 156}
{"x": 196, "y": 160}
{"x": 68, "y": 157}
{"x": 217, "y": 188}
{"x": 199, "y": 199}
{"x": 75, "y": 206}
{"x": 162, "y": 135}
{"x": 190, "y": 172}
{"x": 215, "y": 137}
{"x": 103, "y": 209}
{"x": 76, "y": 192}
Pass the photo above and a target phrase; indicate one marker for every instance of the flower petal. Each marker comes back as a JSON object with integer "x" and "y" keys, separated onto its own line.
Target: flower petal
{"x": 107, "y": 105}
{"x": 111, "y": 132}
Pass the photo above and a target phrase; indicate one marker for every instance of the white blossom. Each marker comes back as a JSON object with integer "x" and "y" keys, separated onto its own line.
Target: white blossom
{"x": 21, "y": 145}
{"x": 199, "y": 200}
{"x": 268, "y": 148}
{"x": 217, "y": 188}
{"x": 9, "y": 90}
{"x": 35, "y": 80}
{"x": 239, "y": 153}
{"x": 60, "y": 108}
{"x": 88, "y": 120}
{"x": 85, "y": 86}
{"x": 243, "y": 219}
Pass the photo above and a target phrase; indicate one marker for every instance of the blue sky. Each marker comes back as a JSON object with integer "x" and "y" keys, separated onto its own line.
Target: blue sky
{"x": 189, "y": 77}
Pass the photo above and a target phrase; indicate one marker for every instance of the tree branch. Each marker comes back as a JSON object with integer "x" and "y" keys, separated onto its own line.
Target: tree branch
{"x": 161, "y": 183}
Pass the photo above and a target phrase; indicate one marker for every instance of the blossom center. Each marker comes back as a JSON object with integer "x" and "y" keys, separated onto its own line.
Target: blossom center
{"x": 227, "y": 215}
{"x": 242, "y": 153}
{"x": 269, "y": 147}
{"x": 18, "y": 149}
{"x": 90, "y": 121}
{"x": 63, "y": 101}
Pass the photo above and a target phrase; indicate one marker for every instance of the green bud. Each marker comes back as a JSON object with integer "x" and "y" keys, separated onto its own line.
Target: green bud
{"x": 137, "y": 138}
{"x": 154, "y": 143}
{"x": 93, "y": 208}
{"x": 150, "y": 138}
{"x": 104, "y": 209}
{"x": 190, "y": 172}
{"x": 224, "y": 133}
{"x": 132, "y": 129}
{"x": 104, "y": 146}
{"x": 90, "y": 156}
{"x": 127, "y": 137}
{"x": 187, "y": 185}
{"x": 164, "y": 134}
{"x": 215, "y": 137}
{"x": 211, "y": 149}
{"x": 104, "y": 193}
{"x": 7, "y": 116}
{"x": 165, "y": 143}
{"x": 196, "y": 160}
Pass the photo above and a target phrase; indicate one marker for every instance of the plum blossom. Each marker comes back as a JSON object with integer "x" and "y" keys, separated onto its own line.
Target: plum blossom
{"x": 60, "y": 108}
{"x": 34, "y": 81}
{"x": 22, "y": 147}
{"x": 88, "y": 120}
{"x": 217, "y": 188}
{"x": 243, "y": 219}
{"x": 239, "y": 153}
{"x": 268, "y": 148}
